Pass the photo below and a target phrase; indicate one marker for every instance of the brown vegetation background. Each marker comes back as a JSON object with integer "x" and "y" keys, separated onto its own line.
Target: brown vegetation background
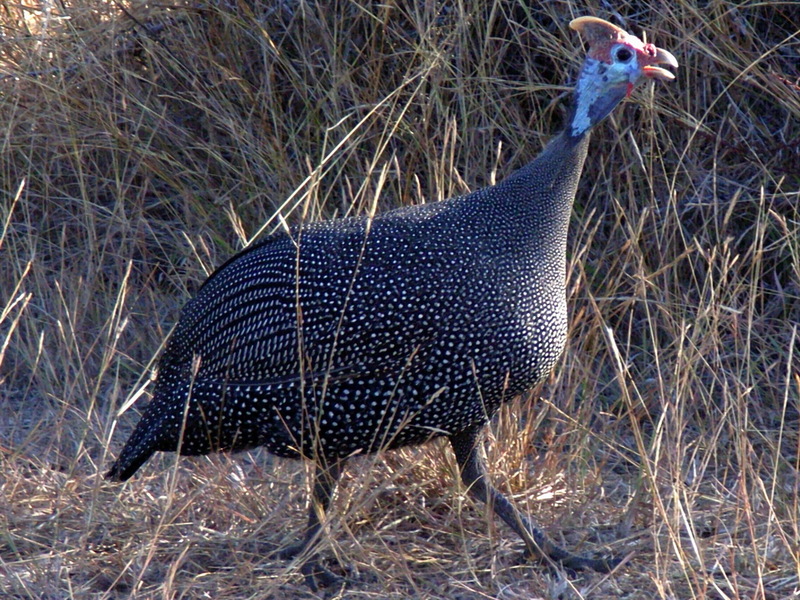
{"x": 143, "y": 143}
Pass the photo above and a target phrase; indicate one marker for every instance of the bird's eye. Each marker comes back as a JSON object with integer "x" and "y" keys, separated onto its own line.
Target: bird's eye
{"x": 624, "y": 55}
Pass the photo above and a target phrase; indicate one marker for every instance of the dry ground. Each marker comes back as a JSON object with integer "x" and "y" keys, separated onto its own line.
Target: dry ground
{"x": 144, "y": 143}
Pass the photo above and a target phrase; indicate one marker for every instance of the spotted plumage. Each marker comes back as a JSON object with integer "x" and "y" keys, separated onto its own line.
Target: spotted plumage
{"x": 357, "y": 335}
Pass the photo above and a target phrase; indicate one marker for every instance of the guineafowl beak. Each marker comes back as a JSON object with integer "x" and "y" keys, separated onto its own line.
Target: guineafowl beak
{"x": 661, "y": 57}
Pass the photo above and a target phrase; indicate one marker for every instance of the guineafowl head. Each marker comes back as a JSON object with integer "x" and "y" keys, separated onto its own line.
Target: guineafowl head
{"x": 615, "y": 62}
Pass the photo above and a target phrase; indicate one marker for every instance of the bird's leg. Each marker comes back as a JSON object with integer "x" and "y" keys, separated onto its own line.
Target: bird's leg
{"x": 538, "y": 544}
{"x": 325, "y": 478}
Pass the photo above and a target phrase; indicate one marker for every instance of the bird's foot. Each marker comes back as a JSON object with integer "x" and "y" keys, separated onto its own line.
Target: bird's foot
{"x": 290, "y": 552}
{"x": 318, "y": 576}
{"x": 601, "y": 565}
{"x": 574, "y": 562}
{"x": 315, "y": 573}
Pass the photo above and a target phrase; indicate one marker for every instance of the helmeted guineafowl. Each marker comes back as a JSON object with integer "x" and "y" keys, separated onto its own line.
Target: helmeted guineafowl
{"x": 362, "y": 334}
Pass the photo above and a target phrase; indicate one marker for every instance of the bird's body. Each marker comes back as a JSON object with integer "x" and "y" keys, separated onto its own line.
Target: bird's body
{"x": 359, "y": 334}
{"x": 362, "y": 334}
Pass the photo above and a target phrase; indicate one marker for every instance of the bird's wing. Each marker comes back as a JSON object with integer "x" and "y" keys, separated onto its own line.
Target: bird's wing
{"x": 323, "y": 303}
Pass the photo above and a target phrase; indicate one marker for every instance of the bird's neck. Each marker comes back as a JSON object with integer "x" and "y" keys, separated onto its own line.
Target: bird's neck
{"x": 545, "y": 187}
{"x": 593, "y": 99}
{"x": 535, "y": 204}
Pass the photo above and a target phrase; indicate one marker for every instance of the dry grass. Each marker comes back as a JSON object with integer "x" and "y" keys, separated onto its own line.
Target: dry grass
{"x": 144, "y": 145}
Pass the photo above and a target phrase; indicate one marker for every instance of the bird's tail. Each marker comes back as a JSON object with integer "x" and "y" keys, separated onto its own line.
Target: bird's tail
{"x": 158, "y": 430}
{"x": 127, "y": 464}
